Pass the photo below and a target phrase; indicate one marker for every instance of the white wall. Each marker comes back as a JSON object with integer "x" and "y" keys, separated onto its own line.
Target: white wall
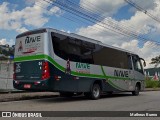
{"x": 6, "y": 75}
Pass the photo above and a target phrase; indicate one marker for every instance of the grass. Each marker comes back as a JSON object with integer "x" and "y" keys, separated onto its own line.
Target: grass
{"x": 152, "y": 84}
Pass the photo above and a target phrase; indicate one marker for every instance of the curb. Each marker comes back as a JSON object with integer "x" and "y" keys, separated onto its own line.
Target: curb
{"x": 25, "y": 95}
{"x": 12, "y": 91}
{"x": 151, "y": 89}
{"x": 27, "y": 98}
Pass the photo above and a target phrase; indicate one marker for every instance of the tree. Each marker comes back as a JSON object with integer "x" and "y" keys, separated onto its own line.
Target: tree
{"x": 155, "y": 61}
{"x": 6, "y": 50}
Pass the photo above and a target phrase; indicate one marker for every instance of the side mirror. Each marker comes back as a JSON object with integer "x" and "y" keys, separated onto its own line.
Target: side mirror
{"x": 144, "y": 62}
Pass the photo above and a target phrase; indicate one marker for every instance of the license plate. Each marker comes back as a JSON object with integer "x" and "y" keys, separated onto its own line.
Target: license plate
{"x": 27, "y": 86}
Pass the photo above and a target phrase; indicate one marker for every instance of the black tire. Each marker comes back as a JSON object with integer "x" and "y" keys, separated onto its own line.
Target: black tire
{"x": 95, "y": 92}
{"x": 66, "y": 94}
{"x": 136, "y": 91}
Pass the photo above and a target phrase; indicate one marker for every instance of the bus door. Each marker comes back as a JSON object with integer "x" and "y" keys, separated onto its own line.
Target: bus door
{"x": 138, "y": 69}
{"x": 131, "y": 81}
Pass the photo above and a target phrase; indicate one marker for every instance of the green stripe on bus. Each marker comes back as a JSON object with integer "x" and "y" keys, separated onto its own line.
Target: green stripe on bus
{"x": 42, "y": 56}
{"x": 37, "y": 57}
{"x": 27, "y": 58}
{"x": 109, "y": 81}
{"x": 72, "y": 72}
{"x": 55, "y": 63}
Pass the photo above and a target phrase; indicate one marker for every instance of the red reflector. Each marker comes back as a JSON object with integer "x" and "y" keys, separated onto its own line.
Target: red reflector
{"x": 37, "y": 82}
{"x": 57, "y": 77}
{"x": 75, "y": 78}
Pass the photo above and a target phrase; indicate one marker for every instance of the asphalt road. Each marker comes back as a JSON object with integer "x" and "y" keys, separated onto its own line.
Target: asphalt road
{"x": 146, "y": 101}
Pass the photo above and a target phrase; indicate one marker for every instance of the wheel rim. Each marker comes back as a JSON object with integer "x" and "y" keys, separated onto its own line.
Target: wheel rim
{"x": 96, "y": 92}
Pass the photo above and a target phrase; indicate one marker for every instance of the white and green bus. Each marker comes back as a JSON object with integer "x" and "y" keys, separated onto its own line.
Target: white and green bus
{"x": 50, "y": 60}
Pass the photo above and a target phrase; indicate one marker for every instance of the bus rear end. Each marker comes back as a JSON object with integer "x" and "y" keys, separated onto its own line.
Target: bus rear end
{"x": 31, "y": 70}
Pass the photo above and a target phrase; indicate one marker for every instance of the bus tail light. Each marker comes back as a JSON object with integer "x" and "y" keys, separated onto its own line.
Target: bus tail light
{"x": 45, "y": 70}
{"x": 14, "y": 75}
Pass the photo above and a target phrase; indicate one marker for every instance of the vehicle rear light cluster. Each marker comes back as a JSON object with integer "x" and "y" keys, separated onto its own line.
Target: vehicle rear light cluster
{"x": 45, "y": 70}
{"x": 14, "y": 75}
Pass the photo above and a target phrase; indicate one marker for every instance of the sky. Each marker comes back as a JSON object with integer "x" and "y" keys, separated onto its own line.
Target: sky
{"x": 18, "y": 16}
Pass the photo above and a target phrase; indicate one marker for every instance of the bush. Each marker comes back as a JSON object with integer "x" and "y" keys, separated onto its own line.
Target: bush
{"x": 152, "y": 84}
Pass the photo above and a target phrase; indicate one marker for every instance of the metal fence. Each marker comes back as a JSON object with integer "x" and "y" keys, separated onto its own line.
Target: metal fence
{"x": 6, "y": 75}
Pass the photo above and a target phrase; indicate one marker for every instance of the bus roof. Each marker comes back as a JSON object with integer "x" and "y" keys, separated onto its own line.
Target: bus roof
{"x": 73, "y": 35}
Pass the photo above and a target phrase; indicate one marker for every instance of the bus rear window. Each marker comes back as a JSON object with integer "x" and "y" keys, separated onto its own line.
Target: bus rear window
{"x": 29, "y": 44}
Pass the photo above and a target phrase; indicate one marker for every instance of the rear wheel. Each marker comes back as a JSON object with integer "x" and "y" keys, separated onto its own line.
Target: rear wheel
{"x": 137, "y": 89}
{"x": 95, "y": 92}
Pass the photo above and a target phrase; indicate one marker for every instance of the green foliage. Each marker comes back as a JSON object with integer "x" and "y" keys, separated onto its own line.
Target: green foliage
{"x": 152, "y": 84}
{"x": 155, "y": 61}
{"x": 7, "y": 51}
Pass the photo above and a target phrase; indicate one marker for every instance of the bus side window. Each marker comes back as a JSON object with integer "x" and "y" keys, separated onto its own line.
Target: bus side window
{"x": 129, "y": 62}
{"x": 86, "y": 52}
{"x": 137, "y": 64}
{"x": 73, "y": 49}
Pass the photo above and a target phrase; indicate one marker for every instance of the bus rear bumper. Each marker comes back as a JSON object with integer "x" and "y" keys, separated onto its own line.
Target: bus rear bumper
{"x": 31, "y": 85}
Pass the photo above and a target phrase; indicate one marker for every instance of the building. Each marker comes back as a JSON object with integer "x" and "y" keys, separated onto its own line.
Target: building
{"x": 153, "y": 73}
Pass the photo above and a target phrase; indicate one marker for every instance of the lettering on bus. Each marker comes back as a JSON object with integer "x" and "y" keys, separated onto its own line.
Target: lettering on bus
{"x": 83, "y": 68}
{"x": 121, "y": 73}
{"x": 32, "y": 39}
